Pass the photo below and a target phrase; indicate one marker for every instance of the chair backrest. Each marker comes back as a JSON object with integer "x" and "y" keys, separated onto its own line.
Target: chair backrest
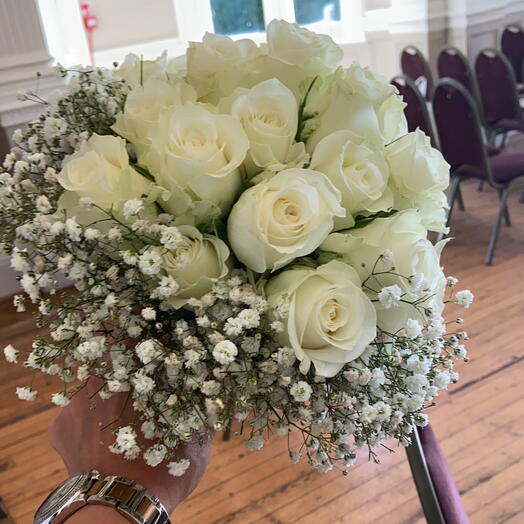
{"x": 497, "y": 87}
{"x": 451, "y": 63}
{"x": 416, "y": 67}
{"x": 512, "y": 45}
{"x": 416, "y": 110}
{"x": 458, "y": 126}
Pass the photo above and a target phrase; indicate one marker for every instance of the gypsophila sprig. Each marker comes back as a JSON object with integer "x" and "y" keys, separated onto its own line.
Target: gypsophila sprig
{"x": 223, "y": 267}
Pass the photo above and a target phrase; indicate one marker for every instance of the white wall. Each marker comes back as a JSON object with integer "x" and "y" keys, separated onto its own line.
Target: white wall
{"x": 127, "y": 22}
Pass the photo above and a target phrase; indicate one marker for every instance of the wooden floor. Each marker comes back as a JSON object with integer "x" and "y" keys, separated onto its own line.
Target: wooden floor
{"x": 479, "y": 422}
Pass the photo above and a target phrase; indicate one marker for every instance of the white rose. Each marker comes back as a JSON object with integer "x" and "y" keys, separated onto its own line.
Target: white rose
{"x": 392, "y": 119}
{"x": 143, "y": 106}
{"x": 100, "y": 171}
{"x": 217, "y": 63}
{"x": 285, "y": 217}
{"x": 136, "y": 71}
{"x": 412, "y": 255}
{"x": 330, "y": 320}
{"x": 420, "y": 175}
{"x": 269, "y": 114}
{"x": 417, "y": 168}
{"x": 197, "y": 151}
{"x": 355, "y": 99}
{"x": 196, "y": 264}
{"x": 296, "y": 45}
{"x": 358, "y": 172}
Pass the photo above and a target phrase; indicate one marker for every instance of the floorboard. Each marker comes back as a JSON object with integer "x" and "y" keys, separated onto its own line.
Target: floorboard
{"x": 479, "y": 422}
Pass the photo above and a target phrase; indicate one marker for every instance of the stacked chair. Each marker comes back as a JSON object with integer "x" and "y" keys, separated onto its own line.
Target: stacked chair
{"x": 512, "y": 45}
{"x": 416, "y": 110}
{"x": 498, "y": 93}
{"x": 472, "y": 109}
{"x": 415, "y": 66}
{"x": 462, "y": 144}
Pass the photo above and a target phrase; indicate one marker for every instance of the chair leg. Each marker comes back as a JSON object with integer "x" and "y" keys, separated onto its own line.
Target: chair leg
{"x": 226, "y": 435}
{"x": 460, "y": 200}
{"x": 453, "y": 192}
{"x": 506, "y": 211}
{"x": 496, "y": 226}
{"x": 503, "y": 140}
{"x": 454, "y": 188}
{"x": 423, "y": 481}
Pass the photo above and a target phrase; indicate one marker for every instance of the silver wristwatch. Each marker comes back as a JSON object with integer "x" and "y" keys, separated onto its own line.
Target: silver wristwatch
{"x": 130, "y": 499}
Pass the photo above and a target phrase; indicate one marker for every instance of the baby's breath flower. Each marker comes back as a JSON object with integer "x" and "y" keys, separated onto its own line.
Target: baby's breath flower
{"x": 148, "y": 313}
{"x": 150, "y": 262}
{"x": 387, "y": 256}
{"x": 155, "y": 455}
{"x": 42, "y": 204}
{"x": 301, "y": 391}
{"x": 413, "y": 328}
{"x": 132, "y": 208}
{"x": 114, "y": 234}
{"x": 60, "y": 399}
{"x": 178, "y": 468}
{"x": 255, "y": 443}
{"x": 11, "y": 354}
{"x": 390, "y": 296}
{"x": 171, "y": 237}
{"x": 26, "y": 393}
{"x": 464, "y": 298}
{"x": 225, "y": 352}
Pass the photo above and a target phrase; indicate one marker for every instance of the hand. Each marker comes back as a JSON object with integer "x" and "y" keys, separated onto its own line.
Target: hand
{"x": 78, "y": 430}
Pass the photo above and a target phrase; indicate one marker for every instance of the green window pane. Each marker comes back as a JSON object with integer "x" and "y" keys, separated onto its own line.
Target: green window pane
{"x": 240, "y": 16}
{"x": 311, "y": 11}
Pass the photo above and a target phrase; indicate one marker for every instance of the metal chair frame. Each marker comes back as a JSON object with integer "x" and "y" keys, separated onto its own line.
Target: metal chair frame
{"x": 503, "y": 189}
{"x": 411, "y": 49}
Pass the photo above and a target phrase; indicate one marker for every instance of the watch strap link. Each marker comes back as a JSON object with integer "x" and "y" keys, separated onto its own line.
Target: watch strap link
{"x": 132, "y": 500}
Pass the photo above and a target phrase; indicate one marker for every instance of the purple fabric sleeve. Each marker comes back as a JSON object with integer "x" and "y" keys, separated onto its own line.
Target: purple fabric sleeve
{"x": 448, "y": 495}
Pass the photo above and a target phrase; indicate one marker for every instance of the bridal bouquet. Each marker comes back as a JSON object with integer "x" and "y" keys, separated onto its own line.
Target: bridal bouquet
{"x": 244, "y": 229}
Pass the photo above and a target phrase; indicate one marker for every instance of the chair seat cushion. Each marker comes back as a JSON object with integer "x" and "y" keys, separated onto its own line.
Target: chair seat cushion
{"x": 508, "y": 124}
{"x": 504, "y": 167}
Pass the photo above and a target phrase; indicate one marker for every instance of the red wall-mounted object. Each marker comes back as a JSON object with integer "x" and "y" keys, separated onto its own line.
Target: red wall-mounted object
{"x": 90, "y": 24}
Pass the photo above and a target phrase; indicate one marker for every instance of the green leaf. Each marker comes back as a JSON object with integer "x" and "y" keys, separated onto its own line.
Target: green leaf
{"x": 363, "y": 221}
{"x": 303, "y": 117}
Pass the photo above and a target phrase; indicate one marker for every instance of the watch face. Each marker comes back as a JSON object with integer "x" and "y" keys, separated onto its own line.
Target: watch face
{"x": 60, "y": 496}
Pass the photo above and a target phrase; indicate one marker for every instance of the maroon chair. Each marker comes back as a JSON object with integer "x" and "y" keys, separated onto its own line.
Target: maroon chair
{"x": 498, "y": 92}
{"x": 512, "y": 45}
{"x": 451, "y": 63}
{"x": 417, "y": 114}
{"x": 416, "y": 67}
{"x": 416, "y": 110}
{"x": 461, "y": 142}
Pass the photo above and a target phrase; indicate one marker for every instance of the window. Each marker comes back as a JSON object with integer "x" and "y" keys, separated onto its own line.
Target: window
{"x": 230, "y": 18}
{"x": 341, "y": 19}
{"x": 311, "y": 11}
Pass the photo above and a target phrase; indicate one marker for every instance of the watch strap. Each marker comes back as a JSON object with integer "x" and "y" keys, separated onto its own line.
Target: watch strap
{"x": 130, "y": 499}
